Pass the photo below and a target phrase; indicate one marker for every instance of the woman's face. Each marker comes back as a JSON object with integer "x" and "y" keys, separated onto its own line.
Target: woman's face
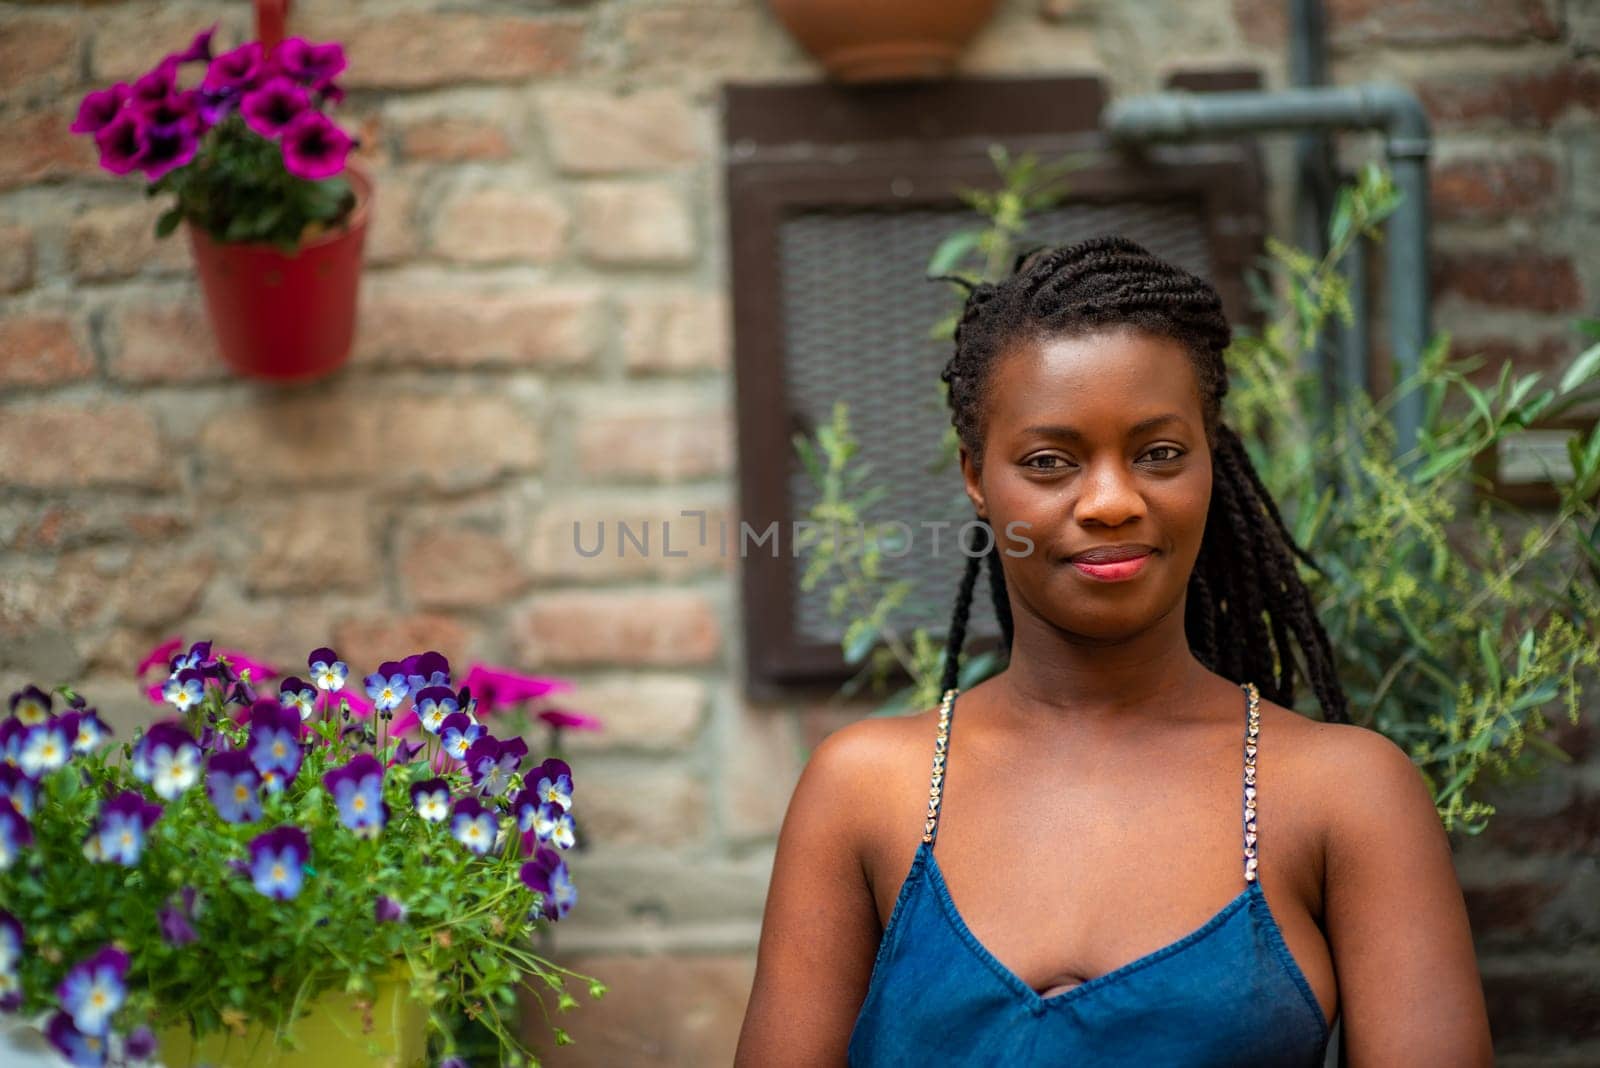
{"x": 1091, "y": 441}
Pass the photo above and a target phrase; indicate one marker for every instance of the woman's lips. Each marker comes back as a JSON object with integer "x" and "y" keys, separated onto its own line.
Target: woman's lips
{"x": 1113, "y": 572}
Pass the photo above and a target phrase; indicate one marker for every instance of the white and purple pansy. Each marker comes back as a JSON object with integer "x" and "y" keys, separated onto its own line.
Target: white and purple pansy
{"x": 184, "y": 690}
{"x": 17, "y": 788}
{"x": 473, "y": 825}
{"x": 458, "y": 733}
{"x": 274, "y": 743}
{"x": 16, "y": 834}
{"x": 168, "y": 758}
{"x": 431, "y": 798}
{"x": 426, "y": 669}
{"x": 198, "y": 656}
{"x": 388, "y": 910}
{"x": 328, "y": 672}
{"x": 492, "y": 763}
{"x": 44, "y": 748}
{"x": 12, "y": 732}
{"x": 546, "y": 875}
{"x": 553, "y": 782}
{"x": 79, "y": 1049}
{"x": 387, "y": 686}
{"x": 85, "y": 730}
{"x": 357, "y": 789}
{"x": 434, "y": 705}
{"x": 524, "y": 806}
{"x": 234, "y": 786}
{"x": 299, "y": 696}
{"x": 277, "y": 862}
{"x": 553, "y": 824}
{"x": 31, "y": 705}
{"x": 124, "y": 822}
{"x": 93, "y": 990}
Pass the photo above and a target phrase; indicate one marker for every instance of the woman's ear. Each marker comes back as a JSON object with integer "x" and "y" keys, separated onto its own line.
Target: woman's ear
{"x": 972, "y": 475}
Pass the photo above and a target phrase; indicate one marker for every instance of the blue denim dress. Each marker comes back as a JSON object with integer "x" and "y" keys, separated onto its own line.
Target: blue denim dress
{"x": 1227, "y": 993}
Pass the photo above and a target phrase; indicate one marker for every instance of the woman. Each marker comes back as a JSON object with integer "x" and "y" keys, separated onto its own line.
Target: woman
{"x": 1097, "y": 898}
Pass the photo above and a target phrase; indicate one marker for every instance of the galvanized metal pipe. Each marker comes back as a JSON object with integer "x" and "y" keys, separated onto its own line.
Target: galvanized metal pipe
{"x": 1391, "y": 110}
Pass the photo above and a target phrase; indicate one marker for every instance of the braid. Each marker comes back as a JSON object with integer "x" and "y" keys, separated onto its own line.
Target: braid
{"x": 1247, "y": 607}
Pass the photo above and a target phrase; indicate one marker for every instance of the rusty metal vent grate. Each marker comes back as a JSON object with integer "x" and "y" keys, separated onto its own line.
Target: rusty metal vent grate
{"x": 856, "y": 316}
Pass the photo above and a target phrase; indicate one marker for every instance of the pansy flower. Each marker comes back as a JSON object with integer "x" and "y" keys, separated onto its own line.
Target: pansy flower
{"x": 357, "y": 789}
{"x": 198, "y": 657}
{"x": 492, "y": 762}
{"x": 405, "y": 751}
{"x": 434, "y": 705}
{"x": 168, "y": 758}
{"x": 426, "y": 669}
{"x": 328, "y": 672}
{"x": 31, "y": 705}
{"x": 277, "y": 861}
{"x": 553, "y": 824}
{"x": 387, "y": 686}
{"x": 85, "y": 730}
{"x": 15, "y": 834}
{"x": 79, "y": 1049}
{"x": 11, "y": 734}
{"x": 546, "y": 875}
{"x": 124, "y": 822}
{"x": 44, "y": 749}
{"x": 387, "y": 910}
{"x": 298, "y": 695}
{"x": 524, "y": 805}
{"x": 10, "y": 957}
{"x": 553, "y": 782}
{"x": 175, "y": 920}
{"x": 310, "y": 63}
{"x": 140, "y": 1045}
{"x": 93, "y": 990}
{"x": 314, "y": 148}
{"x": 458, "y": 733}
{"x": 17, "y": 788}
{"x": 274, "y": 743}
{"x": 431, "y": 798}
{"x": 473, "y": 825}
{"x": 184, "y": 689}
{"x": 234, "y": 786}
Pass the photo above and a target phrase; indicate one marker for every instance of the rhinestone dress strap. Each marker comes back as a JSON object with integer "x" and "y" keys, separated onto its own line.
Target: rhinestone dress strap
{"x": 930, "y": 829}
{"x": 1252, "y": 729}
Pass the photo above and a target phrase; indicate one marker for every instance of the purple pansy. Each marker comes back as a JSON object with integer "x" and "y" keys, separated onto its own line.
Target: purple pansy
{"x": 44, "y": 749}
{"x": 315, "y": 148}
{"x": 492, "y": 762}
{"x": 328, "y": 672}
{"x": 434, "y": 705}
{"x": 546, "y": 874}
{"x": 10, "y": 957}
{"x": 11, "y": 734}
{"x": 524, "y": 804}
{"x": 357, "y": 790}
{"x": 387, "y": 910}
{"x": 277, "y": 861}
{"x": 405, "y": 751}
{"x": 312, "y": 64}
{"x": 167, "y": 758}
{"x": 298, "y": 695}
{"x": 458, "y": 733}
{"x": 237, "y": 71}
{"x": 86, "y": 730}
{"x": 93, "y": 990}
{"x": 553, "y": 824}
{"x": 140, "y": 1045}
{"x": 176, "y": 919}
{"x": 98, "y": 108}
{"x": 79, "y": 1049}
{"x": 274, "y": 743}
{"x": 32, "y": 706}
{"x": 17, "y": 788}
{"x": 473, "y": 825}
{"x": 431, "y": 799}
{"x": 185, "y": 688}
{"x": 426, "y": 669}
{"x": 553, "y": 782}
{"x": 387, "y": 686}
{"x": 197, "y": 658}
{"x": 124, "y": 822}
{"x": 15, "y": 834}
{"x": 269, "y": 109}
{"x": 234, "y": 786}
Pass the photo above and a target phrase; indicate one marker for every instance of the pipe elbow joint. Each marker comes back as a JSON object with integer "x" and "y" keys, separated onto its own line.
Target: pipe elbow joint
{"x": 1402, "y": 117}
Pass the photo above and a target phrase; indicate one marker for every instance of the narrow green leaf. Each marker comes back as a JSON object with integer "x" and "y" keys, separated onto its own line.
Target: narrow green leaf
{"x": 1583, "y": 368}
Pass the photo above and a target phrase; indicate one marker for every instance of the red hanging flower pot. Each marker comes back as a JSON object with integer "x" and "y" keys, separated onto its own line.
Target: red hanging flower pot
{"x": 287, "y": 317}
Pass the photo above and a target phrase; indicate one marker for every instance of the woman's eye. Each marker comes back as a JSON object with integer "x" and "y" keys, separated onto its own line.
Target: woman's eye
{"x": 1038, "y": 465}
{"x": 1165, "y": 448}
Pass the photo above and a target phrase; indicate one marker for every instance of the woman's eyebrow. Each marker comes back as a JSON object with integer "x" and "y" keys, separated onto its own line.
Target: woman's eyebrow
{"x": 1073, "y": 433}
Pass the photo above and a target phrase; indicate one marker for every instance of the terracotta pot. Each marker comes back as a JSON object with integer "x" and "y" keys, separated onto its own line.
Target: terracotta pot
{"x": 286, "y": 317}
{"x": 884, "y": 40}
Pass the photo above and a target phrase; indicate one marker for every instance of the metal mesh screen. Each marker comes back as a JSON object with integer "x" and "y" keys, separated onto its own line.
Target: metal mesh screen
{"x": 856, "y": 318}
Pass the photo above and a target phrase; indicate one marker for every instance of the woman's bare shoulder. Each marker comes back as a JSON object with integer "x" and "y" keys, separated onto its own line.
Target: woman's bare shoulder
{"x": 871, "y": 763}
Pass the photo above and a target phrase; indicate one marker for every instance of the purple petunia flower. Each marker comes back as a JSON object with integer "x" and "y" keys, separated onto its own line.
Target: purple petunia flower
{"x": 273, "y": 106}
{"x": 166, "y": 114}
{"x": 234, "y": 786}
{"x": 17, "y": 788}
{"x": 315, "y": 148}
{"x": 387, "y": 910}
{"x": 154, "y": 86}
{"x": 98, "y": 108}
{"x": 238, "y": 71}
{"x": 328, "y": 672}
{"x": 546, "y": 874}
{"x": 124, "y": 822}
{"x": 431, "y": 798}
{"x": 274, "y": 743}
{"x": 168, "y": 148}
{"x": 553, "y": 782}
{"x": 167, "y": 758}
{"x": 277, "y": 861}
{"x": 176, "y": 919}
{"x": 501, "y": 688}
{"x": 80, "y": 1050}
{"x": 15, "y": 834}
{"x": 434, "y": 704}
{"x": 185, "y": 688}
{"x": 492, "y": 762}
{"x": 458, "y": 734}
{"x": 44, "y": 749}
{"x": 473, "y": 825}
{"x": 298, "y": 695}
{"x": 566, "y": 719}
{"x": 93, "y": 990}
{"x": 310, "y": 63}
{"x": 387, "y": 686}
{"x": 199, "y": 50}
{"x": 357, "y": 789}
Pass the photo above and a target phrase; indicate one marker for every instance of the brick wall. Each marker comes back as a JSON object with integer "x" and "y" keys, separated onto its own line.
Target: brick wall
{"x": 544, "y": 337}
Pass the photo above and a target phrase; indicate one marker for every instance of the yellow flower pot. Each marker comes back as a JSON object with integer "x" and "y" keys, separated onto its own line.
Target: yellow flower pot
{"x": 332, "y": 1034}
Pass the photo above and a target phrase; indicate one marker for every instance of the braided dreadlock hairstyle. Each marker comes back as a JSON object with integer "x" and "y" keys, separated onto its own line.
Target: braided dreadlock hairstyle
{"x": 1245, "y": 598}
